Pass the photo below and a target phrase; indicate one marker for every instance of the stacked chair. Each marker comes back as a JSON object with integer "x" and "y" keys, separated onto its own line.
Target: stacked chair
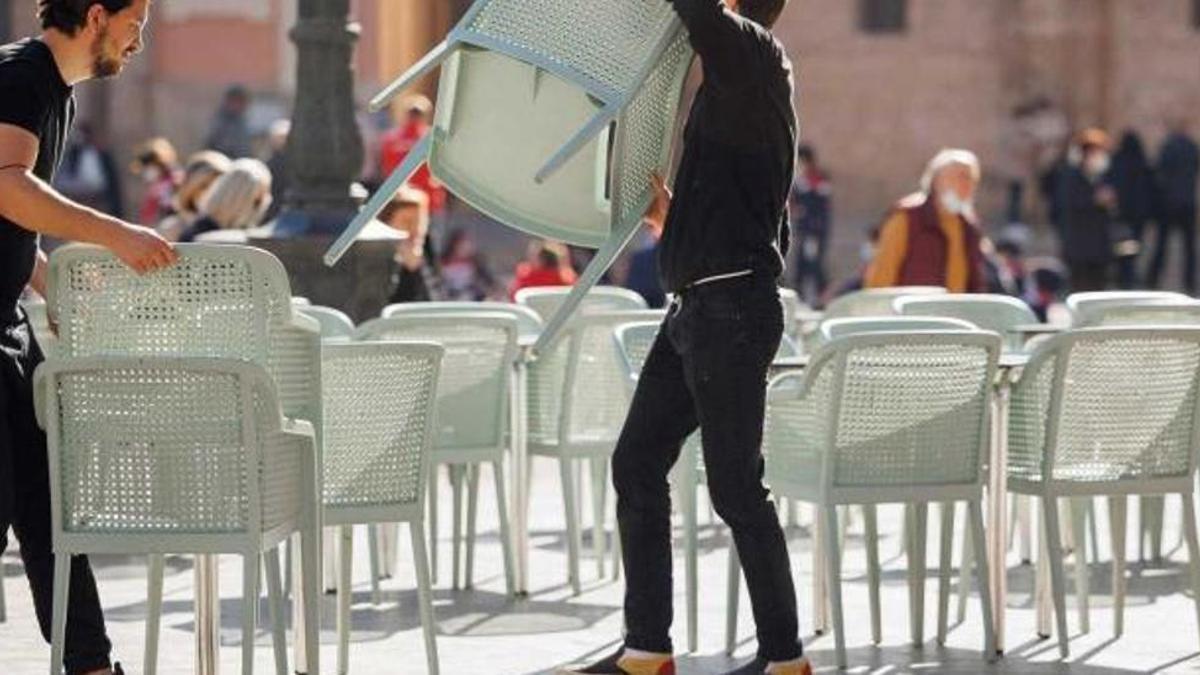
{"x": 552, "y": 116}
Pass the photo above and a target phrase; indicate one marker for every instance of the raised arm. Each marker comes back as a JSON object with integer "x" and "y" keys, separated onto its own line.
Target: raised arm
{"x": 718, "y": 35}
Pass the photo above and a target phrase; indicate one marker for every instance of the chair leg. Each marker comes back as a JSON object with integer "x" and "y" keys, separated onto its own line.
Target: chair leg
{"x": 154, "y": 599}
{"x": 1116, "y": 520}
{"x": 288, "y": 561}
{"x": 944, "y": 564}
{"x": 456, "y": 489}
{"x": 329, "y": 554}
{"x": 344, "y": 591}
{"x": 964, "y": 572}
{"x": 732, "y": 595}
{"x": 58, "y": 615}
{"x": 919, "y": 514}
{"x": 820, "y": 601}
{"x": 1057, "y": 576}
{"x": 1079, "y": 528}
{"x": 1158, "y": 505}
{"x": 374, "y": 561}
{"x": 472, "y": 522}
{"x": 250, "y": 593}
{"x": 306, "y": 603}
{"x": 1042, "y": 602}
{"x": 570, "y": 509}
{"x": 1093, "y": 529}
{"x": 3, "y": 600}
{"x": 424, "y": 596}
{"x": 433, "y": 523}
{"x": 1189, "y": 525}
{"x": 275, "y": 602}
{"x": 506, "y": 546}
{"x": 871, "y": 542}
{"x": 975, "y": 516}
{"x": 687, "y": 508}
{"x": 599, "y": 499}
{"x": 1025, "y": 515}
{"x": 833, "y": 579}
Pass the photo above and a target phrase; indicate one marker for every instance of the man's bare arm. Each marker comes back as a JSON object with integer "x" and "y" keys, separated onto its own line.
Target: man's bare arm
{"x": 34, "y": 205}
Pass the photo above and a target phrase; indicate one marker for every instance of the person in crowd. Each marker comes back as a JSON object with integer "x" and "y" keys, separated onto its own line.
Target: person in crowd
{"x": 1088, "y": 209}
{"x": 465, "y": 272}
{"x": 157, "y": 164}
{"x": 1178, "y": 169}
{"x": 1008, "y": 271}
{"x": 230, "y": 131}
{"x": 236, "y": 201}
{"x": 932, "y": 237}
{"x": 1133, "y": 179}
{"x": 725, "y": 239}
{"x": 89, "y": 174}
{"x": 80, "y": 40}
{"x": 202, "y": 170}
{"x": 277, "y": 138}
{"x": 397, "y": 143}
{"x": 416, "y": 278}
{"x": 643, "y": 276}
{"x": 857, "y": 282}
{"x": 812, "y": 216}
{"x": 547, "y": 263}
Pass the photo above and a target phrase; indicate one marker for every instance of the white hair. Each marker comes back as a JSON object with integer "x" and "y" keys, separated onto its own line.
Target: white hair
{"x": 238, "y": 199}
{"x": 947, "y": 158}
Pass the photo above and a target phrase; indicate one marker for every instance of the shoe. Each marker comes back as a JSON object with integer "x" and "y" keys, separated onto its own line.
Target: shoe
{"x": 616, "y": 664}
{"x": 759, "y": 667}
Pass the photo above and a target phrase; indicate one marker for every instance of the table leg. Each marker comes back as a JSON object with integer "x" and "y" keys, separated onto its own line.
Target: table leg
{"x": 208, "y": 615}
{"x": 998, "y": 513}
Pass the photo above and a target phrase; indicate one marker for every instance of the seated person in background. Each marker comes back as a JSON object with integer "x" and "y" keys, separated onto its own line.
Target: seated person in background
{"x": 416, "y": 276}
{"x": 237, "y": 200}
{"x": 932, "y": 237}
{"x": 202, "y": 170}
{"x": 547, "y": 264}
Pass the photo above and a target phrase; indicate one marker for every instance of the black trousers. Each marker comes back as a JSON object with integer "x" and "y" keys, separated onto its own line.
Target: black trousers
{"x": 1180, "y": 219}
{"x": 707, "y": 369}
{"x": 25, "y": 506}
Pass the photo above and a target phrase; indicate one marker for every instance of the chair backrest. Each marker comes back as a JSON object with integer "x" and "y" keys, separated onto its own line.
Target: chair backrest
{"x": 217, "y": 301}
{"x": 170, "y": 447}
{"x": 889, "y": 411}
{"x": 635, "y": 339}
{"x": 792, "y": 306}
{"x": 578, "y": 388}
{"x": 334, "y": 322}
{"x": 874, "y": 301}
{"x": 547, "y": 300}
{"x": 1108, "y": 404}
{"x": 997, "y": 313}
{"x": 838, "y": 328}
{"x": 473, "y": 389}
{"x": 380, "y": 402}
{"x": 529, "y": 323}
{"x": 1145, "y": 313}
{"x": 1082, "y": 304}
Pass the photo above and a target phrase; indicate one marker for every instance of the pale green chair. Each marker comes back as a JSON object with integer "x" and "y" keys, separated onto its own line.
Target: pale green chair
{"x": 548, "y": 300}
{"x": 473, "y": 419}
{"x": 334, "y": 322}
{"x": 871, "y": 302}
{"x": 1106, "y": 412}
{"x": 1081, "y": 305}
{"x": 160, "y": 455}
{"x": 380, "y": 401}
{"x": 1163, "y": 312}
{"x": 886, "y": 418}
{"x": 552, "y": 116}
{"x": 1000, "y": 314}
{"x": 529, "y": 323}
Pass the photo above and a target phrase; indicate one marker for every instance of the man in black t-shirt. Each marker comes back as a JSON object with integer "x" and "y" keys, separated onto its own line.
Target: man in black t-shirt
{"x": 81, "y": 40}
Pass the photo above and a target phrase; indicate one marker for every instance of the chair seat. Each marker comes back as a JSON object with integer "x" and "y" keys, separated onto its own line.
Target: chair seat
{"x": 471, "y": 157}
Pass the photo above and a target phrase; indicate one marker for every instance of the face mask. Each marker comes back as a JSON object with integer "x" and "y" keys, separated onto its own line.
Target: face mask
{"x": 952, "y": 203}
{"x": 1097, "y": 163}
{"x": 151, "y": 174}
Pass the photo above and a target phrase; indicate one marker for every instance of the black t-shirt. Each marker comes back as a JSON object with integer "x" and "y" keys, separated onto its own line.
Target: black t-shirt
{"x": 34, "y": 97}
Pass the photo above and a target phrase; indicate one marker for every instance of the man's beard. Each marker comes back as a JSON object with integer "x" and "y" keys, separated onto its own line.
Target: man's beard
{"x": 104, "y": 65}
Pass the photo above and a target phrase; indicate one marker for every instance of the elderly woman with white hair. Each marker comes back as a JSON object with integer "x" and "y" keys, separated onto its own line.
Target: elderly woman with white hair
{"x": 932, "y": 237}
{"x": 236, "y": 201}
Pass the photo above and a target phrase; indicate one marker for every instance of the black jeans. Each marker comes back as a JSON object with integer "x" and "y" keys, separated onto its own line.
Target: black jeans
{"x": 25, "y": 506}
{"x": 1182, "y": 219}
{"x": 707, "y": 368}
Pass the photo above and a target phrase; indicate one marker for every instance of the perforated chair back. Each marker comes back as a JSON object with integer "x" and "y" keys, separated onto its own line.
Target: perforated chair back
{"x": 997, "y": 313}
{"x": 884, "y": 417}
{"x": 334, "y": 322}
{"x": 874, "y": 301}
{"x": 547, "y": 301}
{"x": 634, "y": 341}
{"x": 1099, "y": 407}
{"x": 380, "y": 401}
{"x": 180, "y": 453}
{"x": 217, "y": 301}
{"x": 529, "y": 323}
{"x": 838, "y": 328}
{"x": 473, "y": 390}
{"x": 792, "y": 306}
{"x": 578, "y": 395}
{"x": 1145, "y": 313}
{"x": 1083, "y": 304}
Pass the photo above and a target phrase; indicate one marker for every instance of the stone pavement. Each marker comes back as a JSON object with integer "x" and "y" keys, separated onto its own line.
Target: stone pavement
{"x": 481, "y": 631}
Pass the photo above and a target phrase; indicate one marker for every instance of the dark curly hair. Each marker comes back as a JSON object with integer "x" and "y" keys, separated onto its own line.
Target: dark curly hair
{"x": 763, "y": 12}
{"x": 69, "y": 16}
